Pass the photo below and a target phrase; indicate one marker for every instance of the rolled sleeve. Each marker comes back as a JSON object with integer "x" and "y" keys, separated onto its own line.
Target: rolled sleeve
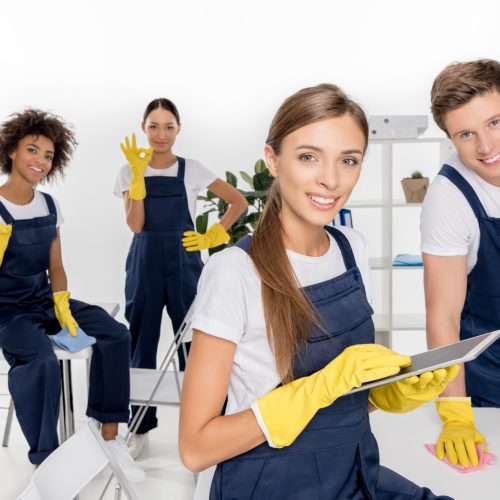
{"x": 220, "y": 308}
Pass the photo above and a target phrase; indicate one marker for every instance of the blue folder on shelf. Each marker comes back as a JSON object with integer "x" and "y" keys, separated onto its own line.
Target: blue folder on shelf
{"x": 407, "y": 259}
{"x": 66, "y": 341}
{"x": 343, "y": 218}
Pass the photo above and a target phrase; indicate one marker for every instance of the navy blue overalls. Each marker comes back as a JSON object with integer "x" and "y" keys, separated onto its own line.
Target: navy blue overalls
{"x": 27, "y": 315}
{"x": 336, "y": 456}
{"x": 481, "y": 312}
{"x": 160, "y": 273}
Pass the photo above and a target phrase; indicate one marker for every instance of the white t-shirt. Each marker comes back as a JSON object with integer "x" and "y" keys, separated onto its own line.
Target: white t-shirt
{"x": 229, "y": 306}
{"x": 37, "y": 207}
{"x": 196, "y": 178}
{"x": 448, "y": 224}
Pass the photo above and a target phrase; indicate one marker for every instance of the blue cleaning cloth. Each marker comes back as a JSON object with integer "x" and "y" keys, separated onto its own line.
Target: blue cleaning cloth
{"x": 407, "y": 259}
{"x": 66, "y": 341}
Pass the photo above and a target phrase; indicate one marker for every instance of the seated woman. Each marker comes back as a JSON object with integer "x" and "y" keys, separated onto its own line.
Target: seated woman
{"x": 282, "y": 326}
{"x": 36, "y": 146}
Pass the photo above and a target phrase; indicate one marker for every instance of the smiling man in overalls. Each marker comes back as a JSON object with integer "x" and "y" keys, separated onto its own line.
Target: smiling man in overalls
{"x": 461, "y": 246}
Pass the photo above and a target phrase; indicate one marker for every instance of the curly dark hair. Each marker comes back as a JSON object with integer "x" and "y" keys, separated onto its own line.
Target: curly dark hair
{"x": 36, "y": 122}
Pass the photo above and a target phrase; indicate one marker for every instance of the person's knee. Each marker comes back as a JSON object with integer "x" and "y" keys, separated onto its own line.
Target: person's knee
{"x": 120, "y": 335}
{"x": 47, "y": 361}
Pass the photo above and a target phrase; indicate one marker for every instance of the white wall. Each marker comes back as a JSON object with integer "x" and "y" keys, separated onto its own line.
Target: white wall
{"x": 227, "y": 65}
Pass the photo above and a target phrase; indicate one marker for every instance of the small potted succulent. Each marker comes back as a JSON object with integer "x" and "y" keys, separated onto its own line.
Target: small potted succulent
{"x": 415, "y": 187}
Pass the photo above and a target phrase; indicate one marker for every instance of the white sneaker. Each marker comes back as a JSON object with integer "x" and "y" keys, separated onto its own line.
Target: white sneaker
{"x": 118, "y": 447}
{"x": 137, "y": 444}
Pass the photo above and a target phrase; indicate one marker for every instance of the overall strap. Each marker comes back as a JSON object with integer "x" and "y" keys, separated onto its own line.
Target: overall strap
{"x": 5, "y": 214}
{"x": 50, "y": 204}
{"x": 466, "y": 189}
{"x": 244, "y": 243}
{"x": 344, "y": 245}
{"x": 182, "y": 168}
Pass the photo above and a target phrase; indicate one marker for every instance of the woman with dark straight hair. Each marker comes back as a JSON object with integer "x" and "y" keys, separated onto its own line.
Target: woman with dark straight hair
{"x": 283, "y": 327}
{"x": 160, "y": 190}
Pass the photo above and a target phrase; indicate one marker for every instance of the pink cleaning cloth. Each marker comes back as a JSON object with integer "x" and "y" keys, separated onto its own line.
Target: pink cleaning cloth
{"x": 485, "y": 459}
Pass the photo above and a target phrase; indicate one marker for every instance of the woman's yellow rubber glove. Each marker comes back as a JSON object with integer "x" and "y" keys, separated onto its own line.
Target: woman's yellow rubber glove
{"x": 63, "y": 312}
{"x": 284, "y": 412}
{"x": 138, "y": 159}
{"x": 5, "y": 232}
{"x": 216, "y": 235}
{"x": 408, "y": 394}
{"x": 459, "y": 435}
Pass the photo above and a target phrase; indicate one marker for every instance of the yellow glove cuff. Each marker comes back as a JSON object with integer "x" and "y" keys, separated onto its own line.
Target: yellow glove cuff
{"x": 137, "y": 188}
{"x": 455, "y": 410}
{"x": 6, "y": 229}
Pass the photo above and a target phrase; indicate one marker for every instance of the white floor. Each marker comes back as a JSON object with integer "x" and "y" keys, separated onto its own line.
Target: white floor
{"x": 165, "y": 475}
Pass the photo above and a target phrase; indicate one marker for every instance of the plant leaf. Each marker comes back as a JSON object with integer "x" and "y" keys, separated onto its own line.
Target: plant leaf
{"x": 262, "y": 181}
{"x": 213, "y": 250}
{"x": 247, "y": 178}
{"x": 202, "y": 222}
{"x": 231, "y": 179}
{"x": 260, "y": 166}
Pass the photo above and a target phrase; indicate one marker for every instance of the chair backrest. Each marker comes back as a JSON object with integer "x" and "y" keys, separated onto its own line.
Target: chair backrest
{"x": 68, "y": 469}
{"x": 143, "y": 382}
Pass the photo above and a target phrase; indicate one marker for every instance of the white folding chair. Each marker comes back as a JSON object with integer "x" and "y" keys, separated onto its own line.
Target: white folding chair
{"x": 66, "y": 418}
{"x": 67, "y": 470}
{"x": 6, "y": 402}
{"x": 158, "y": 387}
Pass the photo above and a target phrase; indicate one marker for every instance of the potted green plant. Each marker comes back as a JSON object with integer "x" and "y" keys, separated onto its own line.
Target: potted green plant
{"x": 415, "y": 187}
{"x": 256, "y": 197}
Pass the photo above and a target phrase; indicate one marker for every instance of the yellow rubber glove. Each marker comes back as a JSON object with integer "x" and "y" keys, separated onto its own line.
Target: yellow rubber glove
{"x": 408, "y": 394}
{"x": 138, "y": 159}
{"x": 216, "y": 235}
{"x": 5, "y": 232}
{"x": 459, "y": 436}
{"x": 287, "y": 410}
{"x": 63, "y": 312}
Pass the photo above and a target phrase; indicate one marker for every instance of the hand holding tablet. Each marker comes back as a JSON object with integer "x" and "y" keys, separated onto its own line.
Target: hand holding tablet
{"x": 441, "y": 357}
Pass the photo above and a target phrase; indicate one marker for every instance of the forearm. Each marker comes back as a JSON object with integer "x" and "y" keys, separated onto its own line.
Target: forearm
{"x": 221, "y": 438}
{"x": 135, "y": 214}
{"x": 58, "y": 280}
{"x": 444, "y": 331}
{"x": 236, "y": 208}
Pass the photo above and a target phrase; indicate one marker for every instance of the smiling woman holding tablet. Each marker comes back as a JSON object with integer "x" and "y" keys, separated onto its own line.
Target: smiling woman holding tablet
{"x": 283, "y": 327}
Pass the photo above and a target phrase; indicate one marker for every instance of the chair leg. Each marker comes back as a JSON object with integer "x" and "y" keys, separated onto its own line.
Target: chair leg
{"x": 118, "y": 492}
{"x": 62, "y": 424}
{"x": 67, "y": 399}
{"x": 8, "y": 424}
{"x": 176, "y": 376}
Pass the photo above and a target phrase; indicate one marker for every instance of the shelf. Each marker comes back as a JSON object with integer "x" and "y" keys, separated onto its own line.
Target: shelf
{"x": 377, "y": 263}
{"x": 407, "y": 141}
{"x": 380, "y": 204}
{"x": 404, "y": 203}
{"x": 399, "y": 322}
{"x": 380, "y": 263}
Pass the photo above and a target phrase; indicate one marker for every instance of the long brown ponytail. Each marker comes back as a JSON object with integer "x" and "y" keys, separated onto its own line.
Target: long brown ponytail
{"x": 287, "y": 311}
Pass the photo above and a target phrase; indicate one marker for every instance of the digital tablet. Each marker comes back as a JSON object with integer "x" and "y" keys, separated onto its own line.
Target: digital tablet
{"x": 441, "y": 357}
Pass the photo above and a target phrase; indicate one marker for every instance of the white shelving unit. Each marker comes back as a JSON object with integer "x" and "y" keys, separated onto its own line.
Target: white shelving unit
{"x": 386, "y": 321}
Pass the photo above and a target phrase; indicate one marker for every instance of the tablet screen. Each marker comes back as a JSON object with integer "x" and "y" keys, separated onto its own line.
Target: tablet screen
{"x": 441, "y": 357}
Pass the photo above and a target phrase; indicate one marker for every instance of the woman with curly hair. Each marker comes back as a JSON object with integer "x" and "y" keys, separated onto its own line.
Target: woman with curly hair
{"x": 36, "y": 146}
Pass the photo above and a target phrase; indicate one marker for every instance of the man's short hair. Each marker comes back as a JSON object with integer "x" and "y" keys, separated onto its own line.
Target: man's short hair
{"x": 459, "y": 83}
